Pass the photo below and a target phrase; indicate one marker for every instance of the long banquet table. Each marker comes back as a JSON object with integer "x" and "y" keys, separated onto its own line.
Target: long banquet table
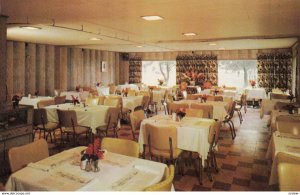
{"x": 91, "y": 116}
{"x": 192, "y": 133}
{"x": 132, "y": 102}
{"x": 61, "y": 172}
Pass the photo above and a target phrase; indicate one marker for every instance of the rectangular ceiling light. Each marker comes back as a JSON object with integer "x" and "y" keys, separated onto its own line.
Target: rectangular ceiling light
{"x": 152, "y": 18}
{"x": 189, "y": 34}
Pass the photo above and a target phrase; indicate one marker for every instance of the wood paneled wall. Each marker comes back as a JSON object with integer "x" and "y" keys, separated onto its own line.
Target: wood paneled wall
{"x": 3, "y": 65}
{"x": 32, "y": 67}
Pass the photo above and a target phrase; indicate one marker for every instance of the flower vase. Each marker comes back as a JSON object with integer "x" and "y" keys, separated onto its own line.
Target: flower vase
{"x": 95, "y": 166}
{"x": 88, "y": 166}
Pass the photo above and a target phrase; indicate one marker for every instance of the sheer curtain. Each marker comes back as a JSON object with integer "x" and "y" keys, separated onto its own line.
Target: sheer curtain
{"x": 274, "y": 71}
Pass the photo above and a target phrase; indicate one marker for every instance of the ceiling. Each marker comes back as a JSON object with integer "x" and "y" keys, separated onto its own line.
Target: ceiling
{"x": 231, "y": 24}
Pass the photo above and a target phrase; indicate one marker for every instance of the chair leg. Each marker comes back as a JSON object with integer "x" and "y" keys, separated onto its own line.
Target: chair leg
{"x": 200, "y": 171}
{"x": 215, "y": 162}
{"x": 233, "y": 128}
{"x": 209, "y": 170}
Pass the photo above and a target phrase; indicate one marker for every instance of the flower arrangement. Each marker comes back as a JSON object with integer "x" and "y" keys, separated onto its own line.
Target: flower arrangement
{"x": 77, "y": 88}
{"x": 160, "y": 81}
{"x": 90, "y": 157}
{"x": 75, "y": 100}
{"x": 252, "y": 82}
{"x": 36, "y": 93}
{"x": 125, "y": 91}
{"x": 204, "y": 97}
{"x": 98, "y": 84}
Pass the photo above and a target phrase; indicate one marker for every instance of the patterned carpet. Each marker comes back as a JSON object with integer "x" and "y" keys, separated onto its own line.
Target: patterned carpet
{"x": 242, "y": 164}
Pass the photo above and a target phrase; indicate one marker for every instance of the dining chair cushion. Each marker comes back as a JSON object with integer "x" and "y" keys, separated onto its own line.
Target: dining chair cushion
{"x": 121, "y": 146}
{"x": 166, "y": 183}
{"x": 289, "y": 176}
{"x": 191, "y": 112}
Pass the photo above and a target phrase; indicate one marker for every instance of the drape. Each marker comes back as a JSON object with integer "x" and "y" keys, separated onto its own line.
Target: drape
{"x": 197, "y": 69}
{"x": 135, "y": 70}
{"x": 274, "y": 70}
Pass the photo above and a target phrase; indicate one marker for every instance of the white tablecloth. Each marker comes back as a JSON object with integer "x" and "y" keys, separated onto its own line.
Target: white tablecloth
{"x": 91, "y": 116}
{"x": 220, "y": 109}
{"x": 255, "y": 93}
{"x": 281, "y": 144}
{"x": 33, "y": 101}
{"x": 192, "y": 133}
{"x": 117, "y": 173}
{"x": 130, "y": 86}
{"x": 103, "y": 91}
{"x": 131, "y": 102}
{"x": 81, "y": 95}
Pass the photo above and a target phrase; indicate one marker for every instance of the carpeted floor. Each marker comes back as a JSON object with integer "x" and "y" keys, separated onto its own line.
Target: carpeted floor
{"x": 242, "y": 163}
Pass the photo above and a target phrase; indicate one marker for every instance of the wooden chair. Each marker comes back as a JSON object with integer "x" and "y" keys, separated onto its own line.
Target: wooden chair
{"x": 101, "y": 100}
{"x": 19, "y": 157}
{"x": 112, "y": 121}
{"x": 69, "y": 126}
{"x": 228, "y": 119}
{"x": 207, "y": 109}
{"x": 112, "y": 101}
{"x": 162, "y": 141}
{"x": 166, "y": 183}
{"x": 175, "y": 107}
{"x": 240, "y": 104}
{"x": 121, "y": 146}
{"x": 215, "y": 98}
{"x": 191, "y": 112}
{"x": 59, "y": 99}
{"x": 44, "y": 103}
{"x": 41, "y": 123}
{"x": 278, "y": 96}
{"x": 289, "y": 177}
{"x": 92, "y": 101}
{"x": 136, "y": 119}
{"x": 131, "y": 92}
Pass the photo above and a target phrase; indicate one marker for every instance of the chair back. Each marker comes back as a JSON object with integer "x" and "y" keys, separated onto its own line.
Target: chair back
{"x": 282, "y": 105}
{"x": 191, "y": 112}
{"x": 145, "y": 102}
{"x": 40, "y": 116}
{"x": 21, "y": 156}
{"x": 279, "y": 96}
{"x": 44, "y": 103}
{"x": 175, "y": 107}
{"x": 67, "y": 118}
{"x": 166, "y": 184}
{"x": 93, "y": 101}
{"x": 191, "y": 97}
{"x": 287, "y": 158}
{"x": 131, "y": 92}
{"x": 136, "y": 119}
{"x": 214, "y": 132}
{"x": 289, "y": 177}
{"x": 160, "y": 137}
{"x": 144, "y": 93}
{"x": 101, "y": 100}
{"x": 207, "y": 109}
{"x": 112, "y": 117}
{"x": 59, "y": 99}
{"x": 113, "y": 101}
{"x": 289, "y": 127}
{"x": 112, "y": 89}
{"x": 121, "y": 146}
{"x": 230, "y": 88}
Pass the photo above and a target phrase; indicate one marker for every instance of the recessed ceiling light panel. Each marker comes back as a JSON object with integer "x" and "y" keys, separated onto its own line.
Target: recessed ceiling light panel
{"x": 139, "y": 46}
{"x": 95, "y": 39}
{"x": 31, "y": 27}
{"x": 212, "y": 44}
{"x": 152, "y": 18}
{"x": 189, "y": 34}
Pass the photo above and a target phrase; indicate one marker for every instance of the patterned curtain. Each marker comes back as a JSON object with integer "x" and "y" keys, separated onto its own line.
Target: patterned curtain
{"x": 135, "y": 70}
{"x": 274, "y": 70}
{"x": 197, "y": 68}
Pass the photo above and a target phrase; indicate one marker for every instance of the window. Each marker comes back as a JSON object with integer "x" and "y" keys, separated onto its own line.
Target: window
{"x": 236, "y": 73}
{"x": 152, "y": 71}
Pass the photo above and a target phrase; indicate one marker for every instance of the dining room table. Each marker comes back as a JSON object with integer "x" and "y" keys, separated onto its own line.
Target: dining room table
{"x": 63, "y": 172}
{"x": 192, "y": 132}
{"x": 268, "y": 105}
{"x": 90, "y": 116}
{"x": 131, "y": 102}
{"x": 34, "y": 100}
{"x": 280, "y": 142}
{"x": 255, "y": 93}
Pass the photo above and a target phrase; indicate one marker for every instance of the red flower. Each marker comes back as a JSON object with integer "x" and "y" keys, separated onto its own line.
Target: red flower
{"x": 89, "y": 150}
